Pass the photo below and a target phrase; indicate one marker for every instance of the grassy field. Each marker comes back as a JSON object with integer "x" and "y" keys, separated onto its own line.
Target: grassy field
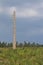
{"x": 21, "y": 56}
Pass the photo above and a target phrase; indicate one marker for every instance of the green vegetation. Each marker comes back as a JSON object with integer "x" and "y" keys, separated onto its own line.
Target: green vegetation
{"x": 24, "y": 44}
{"x": 21, "y": 56}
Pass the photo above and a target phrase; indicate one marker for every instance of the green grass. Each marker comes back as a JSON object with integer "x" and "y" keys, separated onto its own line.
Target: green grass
{"x": 21, "y": 56}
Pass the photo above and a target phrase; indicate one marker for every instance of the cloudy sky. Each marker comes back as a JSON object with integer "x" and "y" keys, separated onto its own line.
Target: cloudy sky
{"x": 29, "y": 20}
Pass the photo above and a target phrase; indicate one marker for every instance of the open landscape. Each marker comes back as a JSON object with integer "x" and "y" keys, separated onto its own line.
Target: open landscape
{"x": 21, "y": 56}
{"x": 21, "y": 32}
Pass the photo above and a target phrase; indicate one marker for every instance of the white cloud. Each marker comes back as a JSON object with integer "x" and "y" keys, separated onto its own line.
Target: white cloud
{"x": 7, "y": 10}
{"x": 23, "y": 12}
{"x": 10, "y": 10}
{"x": 26, "y": 12}
{"x": 27, "y": 9}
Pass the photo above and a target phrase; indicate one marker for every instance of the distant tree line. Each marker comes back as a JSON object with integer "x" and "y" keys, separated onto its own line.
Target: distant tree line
{"x": 24, "y": 44}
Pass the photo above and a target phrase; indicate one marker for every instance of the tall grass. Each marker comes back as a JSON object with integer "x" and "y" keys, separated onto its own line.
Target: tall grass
{"x": 21, "y": 56}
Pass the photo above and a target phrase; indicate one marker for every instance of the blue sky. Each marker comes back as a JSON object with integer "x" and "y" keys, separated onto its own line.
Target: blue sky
{"x": 29, "y": 20}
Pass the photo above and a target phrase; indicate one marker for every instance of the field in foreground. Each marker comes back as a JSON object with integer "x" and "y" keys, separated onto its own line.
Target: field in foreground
{"x": 21, "y": 56}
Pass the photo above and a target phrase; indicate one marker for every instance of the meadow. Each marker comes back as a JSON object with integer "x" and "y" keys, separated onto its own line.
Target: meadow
{"x": 21, "y": 56}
